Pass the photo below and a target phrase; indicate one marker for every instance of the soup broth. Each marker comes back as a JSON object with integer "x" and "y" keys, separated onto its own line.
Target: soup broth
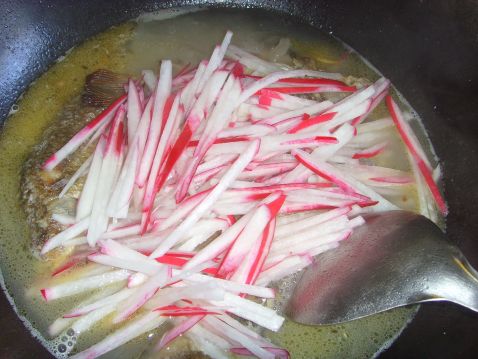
{"x": 129, "y": 48}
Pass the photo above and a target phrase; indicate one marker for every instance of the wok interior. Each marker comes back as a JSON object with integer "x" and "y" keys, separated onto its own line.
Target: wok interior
{"x": 427, "y": 50}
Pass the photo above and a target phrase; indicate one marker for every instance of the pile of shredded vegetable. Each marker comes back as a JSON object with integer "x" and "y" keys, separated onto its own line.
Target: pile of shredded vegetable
{"x": 207, "y": 186}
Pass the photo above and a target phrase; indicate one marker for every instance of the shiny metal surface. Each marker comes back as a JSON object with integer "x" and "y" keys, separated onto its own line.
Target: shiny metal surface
{"x": 397, "y": 258}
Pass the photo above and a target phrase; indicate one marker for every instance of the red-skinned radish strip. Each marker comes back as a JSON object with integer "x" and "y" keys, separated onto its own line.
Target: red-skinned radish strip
{"x": 316, "y": 108}
{"x": 178, "y": 330}
{"x": 134, "y": 110}
{"x": 143, "y": 293}
{"x": 163, "y": 90}
{"x": 417, "y": 153}
{"x": 371, "y": 151}
{"x": 138, "y": 326}
{"x": 392, "y": 180}
{"x": 296, "y": 90}
{"x": 348, "y": 184}
{"x": 108, "y": 300}
{"x": 250, "y": 268}
{"x": 83, "y": 284}
{"x": 283, "y": 101}
{"x": 215, "y": 123}
{"x": 169, "y": 130}
{"x": 311, "y": 121}
{"x": 79, "y": 172}
{"x": 274, "y": 77}
{"x": 251, "y": 233}
{"x": 237, "y": 167}
{"x": 170, "y": 295}
{"x": 78, "y": 139}
{"x": 343, "y": 135}
{"x": 201, "y": 107}
{"x": 308, "y": 81}
{"x": 85, "y": 202}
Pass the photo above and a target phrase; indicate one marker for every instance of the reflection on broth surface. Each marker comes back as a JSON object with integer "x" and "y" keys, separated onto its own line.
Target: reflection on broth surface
{"x": 52, "y": 111}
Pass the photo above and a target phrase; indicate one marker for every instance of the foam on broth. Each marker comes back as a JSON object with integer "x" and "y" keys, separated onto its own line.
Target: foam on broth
{"x": 129, "y": 48}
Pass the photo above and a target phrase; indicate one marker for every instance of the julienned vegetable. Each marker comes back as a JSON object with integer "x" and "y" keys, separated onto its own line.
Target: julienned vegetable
{"x": 185, "y": 192}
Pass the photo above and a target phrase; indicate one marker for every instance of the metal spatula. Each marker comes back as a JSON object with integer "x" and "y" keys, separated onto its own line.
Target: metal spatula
{"x": 397, "y": 258}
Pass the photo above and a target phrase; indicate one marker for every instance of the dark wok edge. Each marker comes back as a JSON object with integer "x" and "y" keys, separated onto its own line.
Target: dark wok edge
{"x": 428, "y": 49}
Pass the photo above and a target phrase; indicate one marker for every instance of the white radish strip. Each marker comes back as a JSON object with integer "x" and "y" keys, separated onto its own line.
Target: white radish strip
{"x": 61, "y": 323}
{"x": 251, "y": 61}
{"x": 195, "y": 241}
{"x": 85, "y": 202}
{"x": 286, "y": 267}
{"x": 284, "y": 230}
{"x": 245, "y": 330}
{"x": 167, "y": 134}
{"x": 167, "y": 296}
{"x": 149, "y": 79}
{"x": 143, "y": 293}
{"x": 229, "y": 177}
{"x": 237, "y": 288}
{"x": 219, "y": 244}
{"x": 375, "y": 125}
{"x": 200, "y": 331}
{"x": 188, "y": 97}
{"x": 237, "y": 336}
{"x": 124, "y": 187}
{"x": 69, "y": 233}
{"x": 84, "y": 284}
{"x": 183, "y": 209}
{"x": 306, "y": 246}
{"x": 316, "y": 108}
{"x": 112, "y": 299}
{"x": 274, "y": 77}
{"x": 115, "y": 249}
{"x": 252, "y": 131}
{"x": 247, "y": 309}
{"x": 136, "y": 266}
{"x": 178, "y": 330}
{"x": 214, "y": 61}
{"x": 134, "y": 329}
{"x": 207, "y": 343}
{"x": 163, "y": 90}
{"x": 133, "y": 110}
{"x": 63, "y": 219}
{"x": 88, "y": 320}
{"x": 318, "y": 234}
{"x": 79, "y": 172}
{"x": 78, "y": 139}
{"x": 341, "y": 118}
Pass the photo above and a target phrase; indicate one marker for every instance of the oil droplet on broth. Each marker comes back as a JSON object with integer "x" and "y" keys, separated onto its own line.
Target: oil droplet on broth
{"x": 129, "y": 48}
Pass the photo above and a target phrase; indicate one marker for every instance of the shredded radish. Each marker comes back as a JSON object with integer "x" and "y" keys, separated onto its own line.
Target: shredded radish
{"x": 207, "y": 187}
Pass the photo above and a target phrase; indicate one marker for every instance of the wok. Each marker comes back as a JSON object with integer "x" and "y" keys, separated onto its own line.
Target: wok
{"x": 427, "y": 48}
